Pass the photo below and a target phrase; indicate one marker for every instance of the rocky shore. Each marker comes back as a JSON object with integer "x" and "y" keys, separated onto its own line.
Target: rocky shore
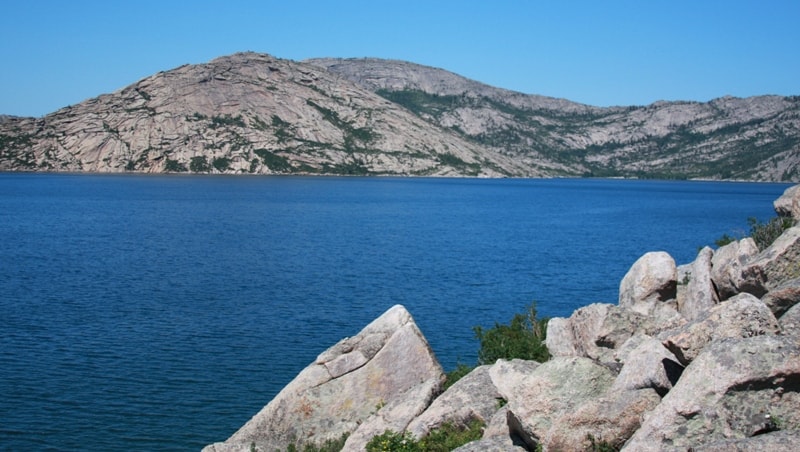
{"x": 703, "y": 356}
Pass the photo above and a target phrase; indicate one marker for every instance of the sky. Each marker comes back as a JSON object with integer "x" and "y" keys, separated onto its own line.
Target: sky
{"x": 56, "y": 53}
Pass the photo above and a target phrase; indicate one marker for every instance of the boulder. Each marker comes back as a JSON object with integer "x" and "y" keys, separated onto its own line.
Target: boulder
{"x": 783, "y": 297}
{"x": 610, "y": 419}
{"x": 594, "y": 331}
{"x": 472, "y": 397}
{"x": 553, "y": 389}
{"x": 395, "y": 415}
{"x": 735, "y": 389}
{"x": 790, "y": 322}
{"x": 774, "y": 265}
{"x": 778, "y": 441}
{"x": 388, "y": 368}
{"x": 742, "y": 316}
{"x": 509, "y": 376}
{"x": 649, "y": 365}
{"x": 492, "y": 444}
{"x": 788, "y": 205}
{"x": 559, "y": 338}
{"x": 727, "y": 265}
{"x": 699, "y": 294}
{"x": 650, "y": 281}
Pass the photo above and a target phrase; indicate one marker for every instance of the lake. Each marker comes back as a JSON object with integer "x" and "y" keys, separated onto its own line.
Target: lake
{"x": 162, "y": 312}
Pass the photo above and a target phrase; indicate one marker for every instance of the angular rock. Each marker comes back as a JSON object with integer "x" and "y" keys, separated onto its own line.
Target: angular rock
{"x": 509, "y": 376}
{"x": 610, "y": 419}
{"x": 493, "y": 444}
{"x": 699, "y": 294}
{"x": 559, "y": 339}
{"x": 395, "y": 415}
{"x": 735, "y": 389}
{"x": 742, "y": 316}
{"x": 472, "y": 397}
{"x": 388, "y": 364}
{"x": 790, "y": 322}
{"x": 782, "y": 298}
{"x": 649, "y": 365}
{"x": 555, "y": 388}
{"x": 594, "y": 331}
{"x": 774, "y": 265}
{"x": 650, "y": 281}
{"x": 778, "y": 441}
{"x": 727, "y": 265}
{"x": 788, "y": 205}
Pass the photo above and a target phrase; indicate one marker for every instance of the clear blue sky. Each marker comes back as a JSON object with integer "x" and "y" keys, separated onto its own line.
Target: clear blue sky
{"x": 55, "y": 53}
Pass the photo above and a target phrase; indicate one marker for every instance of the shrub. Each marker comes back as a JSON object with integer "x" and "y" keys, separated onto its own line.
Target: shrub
{"x": 221, "y": 163}
{"x": 199, "y": 164}
{"x": 522, "y": 338}
{"x": 445, "y": 438}
{"x": 174, "y": 166}
{"x": 766, "y": 233}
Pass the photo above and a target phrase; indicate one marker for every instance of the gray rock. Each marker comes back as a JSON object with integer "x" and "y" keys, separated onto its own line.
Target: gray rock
{"x": 395, "y": 415}
{"x": 649, "y": 365}
{"x": 493, "y": 444}
{"x": 727, "y": 265}
{"x": 387, "y": 370}
{"x": 778, "y": 441}
{"x": 774, "y": 265}
{"x": 742, "y": 316}
{"x": 783, "y": 297}
{"x": 790, "y": 322}
{"x": 735, "y": 389}
{"x": 559, "y": 339}
{"x": 594, "y": 331}
{"x": 610, "y": 419}
{"x": 788, "y": 205}
{"x": 555, "y": 388}
{"x": 473, "y": 397}
{"x": 650, "y": 281}
{"x": 699, "y": 295}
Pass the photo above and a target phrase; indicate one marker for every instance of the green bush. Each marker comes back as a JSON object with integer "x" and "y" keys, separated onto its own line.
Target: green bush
{"x": 766, "y": 233}
{"x": 221, "y": 163}
{"x": 199, "y": 164}
{"x": 445, "y": 438}
{"x": 522, "y": 338}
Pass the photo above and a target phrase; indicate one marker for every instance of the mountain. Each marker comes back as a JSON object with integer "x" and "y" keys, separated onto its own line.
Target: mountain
{"x": 254, "y": 113}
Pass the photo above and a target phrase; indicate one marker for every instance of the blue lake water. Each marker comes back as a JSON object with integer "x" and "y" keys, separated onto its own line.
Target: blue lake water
{"x": 162, "y": 312}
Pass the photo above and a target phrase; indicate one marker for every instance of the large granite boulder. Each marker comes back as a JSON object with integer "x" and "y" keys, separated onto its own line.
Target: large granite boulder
{"x": 553, "y": 389}
{"x": 610, "y": 419}
{"x": 473, "y": 397}
{"x": 735, "y": 389}
{"x": 596, "y": 331}
{"x": 648, "y": 365}
{"x": 742, "y": 316}
{"x": 788, "y": 205}
{"x": 773, "y": 266}
{"x": 651, "y": 280}
{"x": 699, "y": 294}
{"x": 387, "y": 371}
{"x": 783, "y": 297}
{"x": 727, "y": 265}
{"x": 790, "y": 322}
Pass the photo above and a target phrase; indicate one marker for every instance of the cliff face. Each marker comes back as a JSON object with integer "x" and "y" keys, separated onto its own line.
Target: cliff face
{"x": 252, "y": 113}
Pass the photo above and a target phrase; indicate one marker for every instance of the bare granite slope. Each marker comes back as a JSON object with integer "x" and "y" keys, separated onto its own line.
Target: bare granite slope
{"x": 253, "y": 113}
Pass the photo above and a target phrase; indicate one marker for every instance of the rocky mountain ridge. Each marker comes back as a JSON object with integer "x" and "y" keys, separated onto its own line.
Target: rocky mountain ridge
{"x": 253, "y": 113}
{"x": 701, "y": 356}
